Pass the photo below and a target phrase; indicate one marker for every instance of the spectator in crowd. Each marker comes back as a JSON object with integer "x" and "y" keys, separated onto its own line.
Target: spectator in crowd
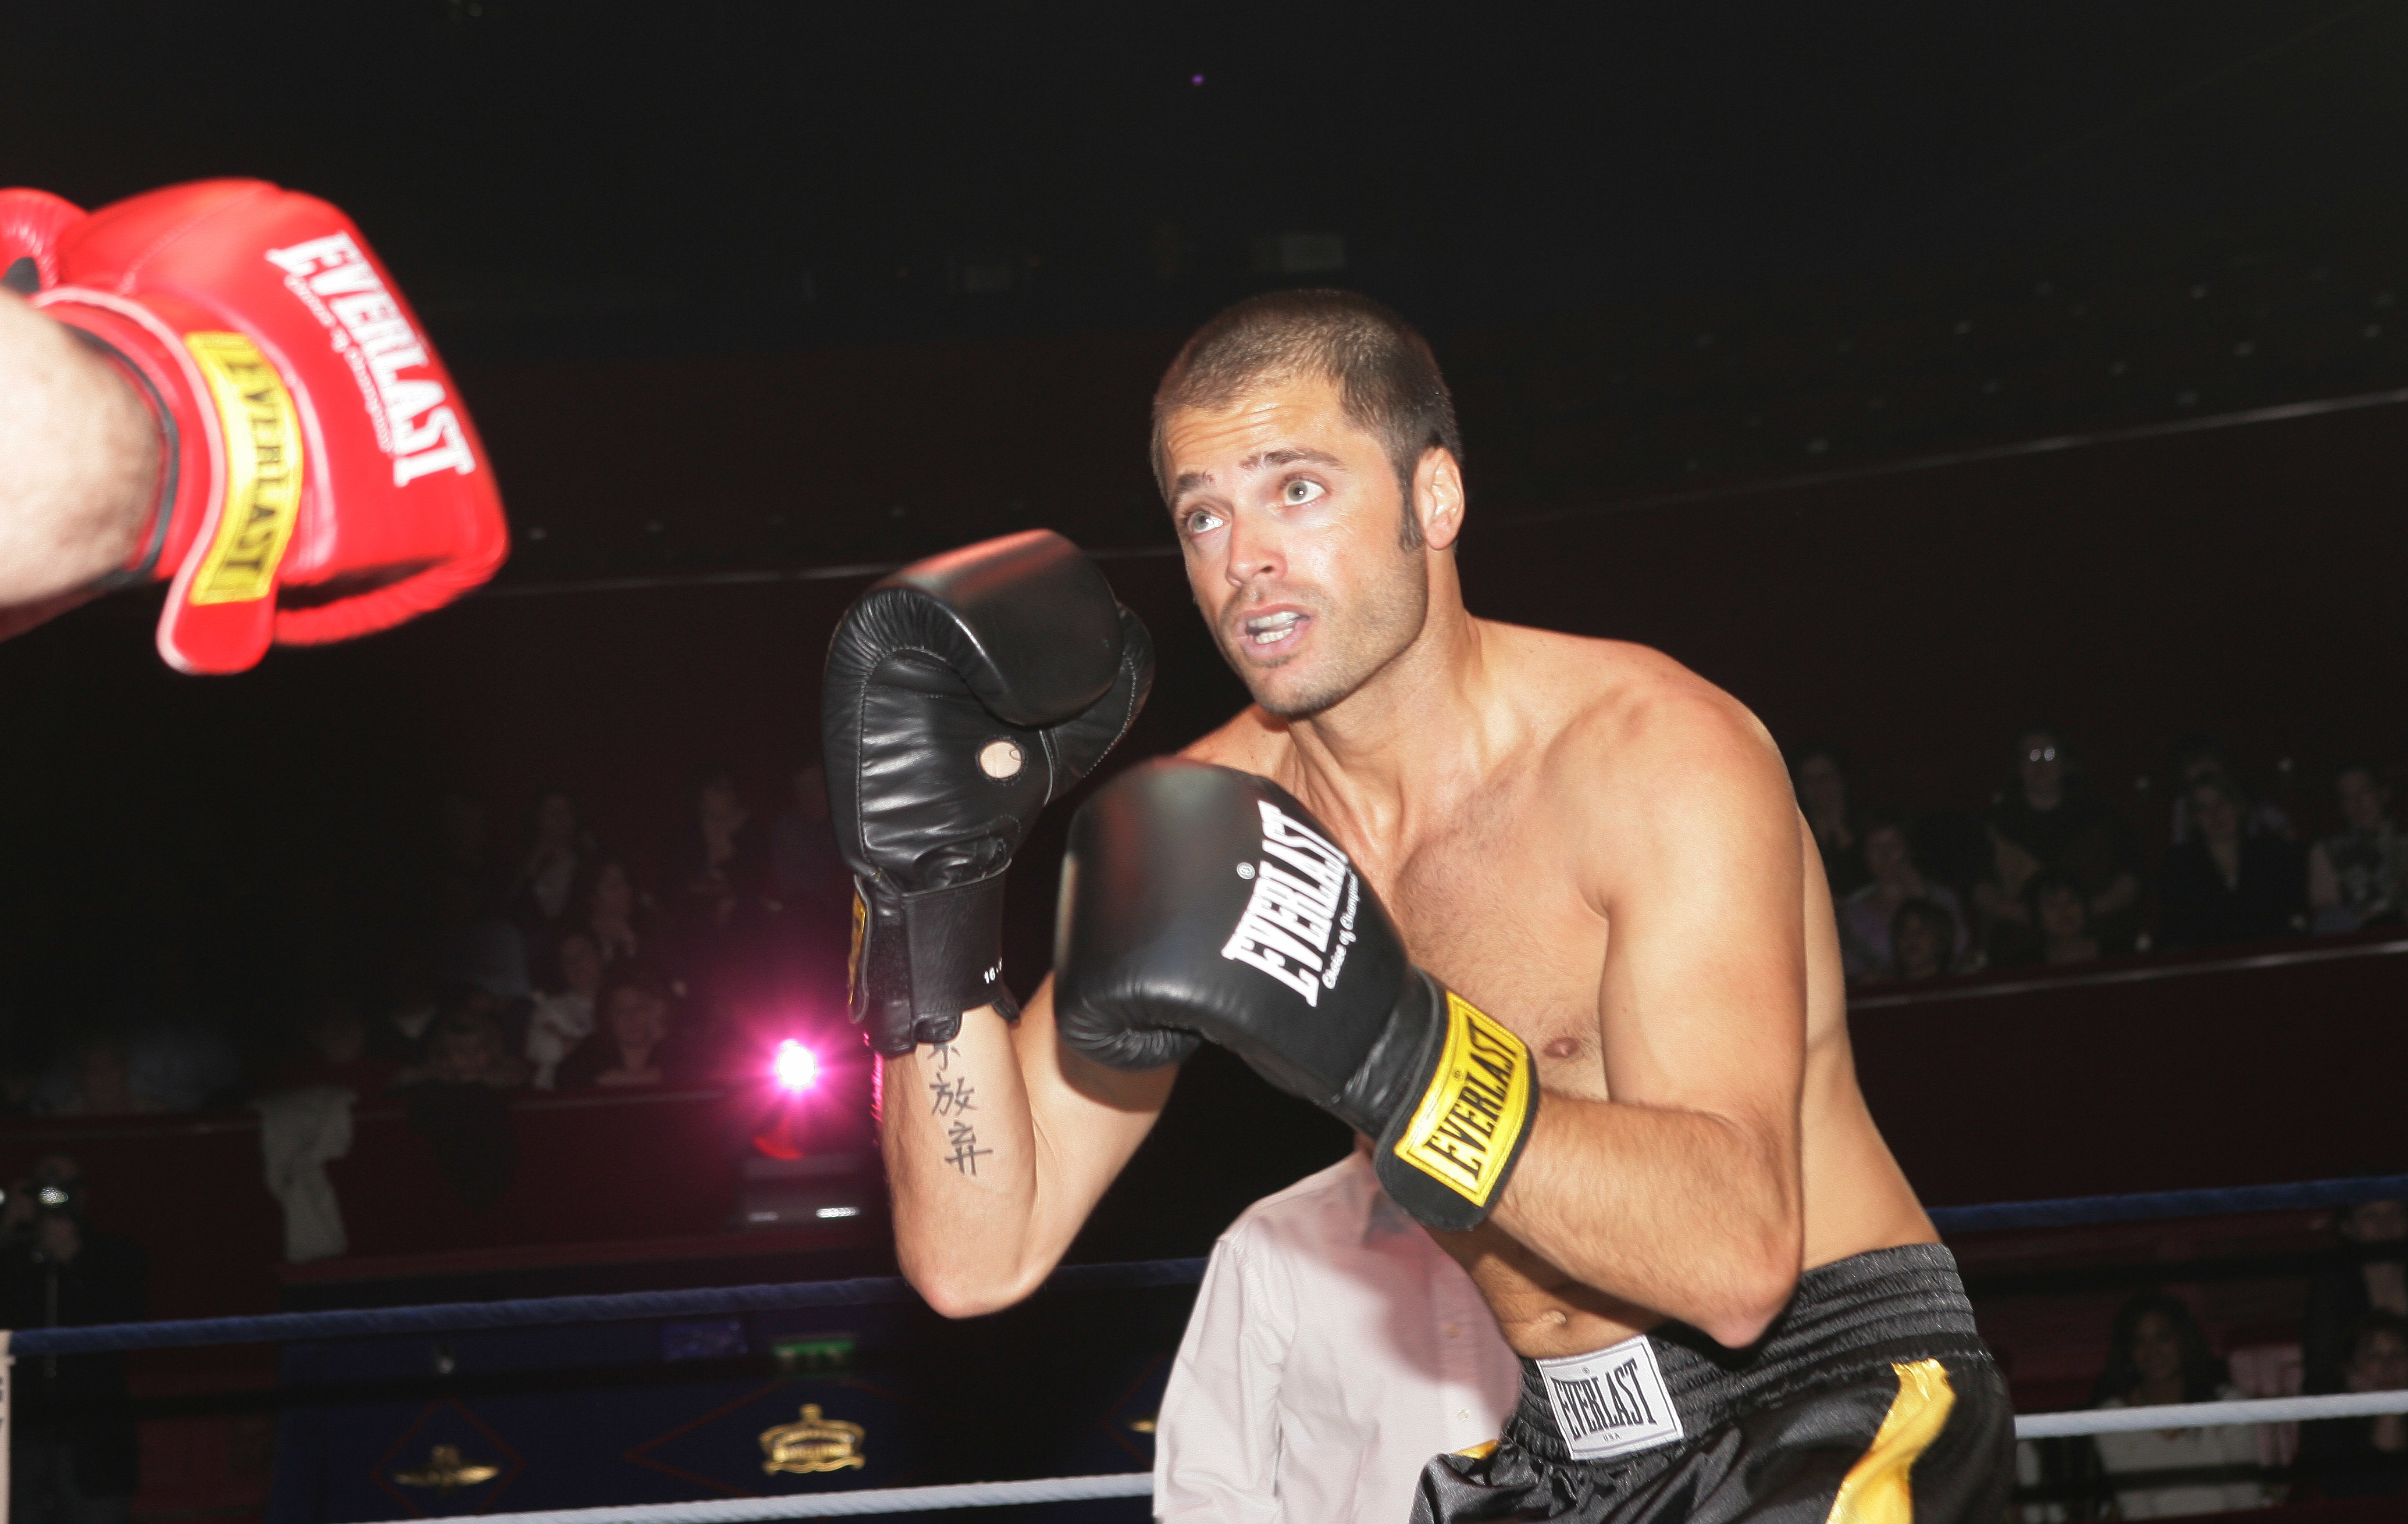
{"x": 2060, "y": 915}
{"x": 562, "y": 1019}
{"x": 616, "y": 914}
{"x": 2048, "y": 822}
{"x": 1333, "y": 1349}
{"x": 1866, "y": 914}
{"x": 808, "y": 869}
{"x": 336, "y": 1052}
{"x": 97, "y": 1081}
{"x": 2358, "y": 876}
{"x": 635, "y": 1043}
{"x": 1923, "y": 938}
{"x": 719, "y": 870}
{"x": 1820, "y": 775}
{"x": 2203, "y": 757}
{"x": 459, "y": 1099}
{"x": 2368, "y": 1275}
{"x": 73, "y": 1452}
{"x": 543, "y": 893}
{"x": 466, "y": 1049}
{"x": 2364, "y": 1458}
{"x": 2224, "y": 885}
{"x": 2157, "y": 1355}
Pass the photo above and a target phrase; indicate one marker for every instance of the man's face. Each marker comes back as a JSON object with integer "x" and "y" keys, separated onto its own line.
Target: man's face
{"x": 1291, "y": 517}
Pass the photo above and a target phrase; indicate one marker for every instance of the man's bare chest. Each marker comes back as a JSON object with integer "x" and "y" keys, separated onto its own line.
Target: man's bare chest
{"x": 1497, "y": 912}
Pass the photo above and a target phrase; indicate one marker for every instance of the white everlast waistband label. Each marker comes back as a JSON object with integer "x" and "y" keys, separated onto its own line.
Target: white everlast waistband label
{"x": 1610, "y": 1402}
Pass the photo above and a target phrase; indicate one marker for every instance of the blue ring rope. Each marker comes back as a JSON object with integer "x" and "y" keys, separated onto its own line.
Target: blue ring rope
{"x": 875, "y": 1291}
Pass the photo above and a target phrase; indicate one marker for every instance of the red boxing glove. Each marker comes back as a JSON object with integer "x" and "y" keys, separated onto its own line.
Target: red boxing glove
{"x": 30, "y": 224}
{"x": 320, "y": 480}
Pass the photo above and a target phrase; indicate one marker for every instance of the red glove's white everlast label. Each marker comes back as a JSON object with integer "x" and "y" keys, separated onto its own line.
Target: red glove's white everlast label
{"x": 262, "y": 428}
{"x": 412, "y": 414}
{"x": 1613, "y": 1401}
{"x": 1463, "y": 1132}
{"x": 1305, "y": 897}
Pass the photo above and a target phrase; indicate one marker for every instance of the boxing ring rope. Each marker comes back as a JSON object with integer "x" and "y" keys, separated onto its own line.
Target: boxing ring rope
{"x": 880, "y": 1290}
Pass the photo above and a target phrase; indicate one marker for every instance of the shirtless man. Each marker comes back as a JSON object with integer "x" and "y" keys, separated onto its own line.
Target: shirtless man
{"x": 1728, "y": 1302}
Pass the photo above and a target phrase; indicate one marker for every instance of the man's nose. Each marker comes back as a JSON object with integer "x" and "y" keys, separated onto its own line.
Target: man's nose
{"x": 1255, "y": 550}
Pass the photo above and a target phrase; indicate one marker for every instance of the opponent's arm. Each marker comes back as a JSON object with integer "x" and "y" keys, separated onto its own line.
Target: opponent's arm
{"x": 1682, "y": 1193}
{"x": 998, "y": 1145}
{"x": 82, "y": 461}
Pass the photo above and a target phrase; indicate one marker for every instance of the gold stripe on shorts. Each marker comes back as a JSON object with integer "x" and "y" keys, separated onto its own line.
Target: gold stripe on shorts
{"x": 1876, "y": 1490}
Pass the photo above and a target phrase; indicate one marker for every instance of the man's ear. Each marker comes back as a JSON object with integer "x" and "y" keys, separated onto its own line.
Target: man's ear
{"x": 1438, "y": 497}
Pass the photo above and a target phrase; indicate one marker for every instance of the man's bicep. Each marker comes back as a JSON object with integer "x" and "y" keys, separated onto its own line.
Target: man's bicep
{"x": 1087, "y": 1119}
{"x": 1702, "y": 998}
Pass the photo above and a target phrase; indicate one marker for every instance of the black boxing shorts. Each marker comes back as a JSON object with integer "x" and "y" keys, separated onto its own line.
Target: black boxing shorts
{"x": 1870, "y": 1401}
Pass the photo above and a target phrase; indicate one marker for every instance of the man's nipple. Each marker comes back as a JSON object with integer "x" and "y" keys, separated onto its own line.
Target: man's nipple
{"x": 1562, "y": 1048}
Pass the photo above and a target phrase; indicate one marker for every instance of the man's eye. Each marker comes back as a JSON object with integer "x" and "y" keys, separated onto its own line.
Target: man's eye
{"x": 1202, "y": 523}
{"x": 1299, "y": 492}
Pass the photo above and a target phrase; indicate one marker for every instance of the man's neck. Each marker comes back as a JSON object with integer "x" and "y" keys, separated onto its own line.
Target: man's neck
{"x": 1404, "y": 743}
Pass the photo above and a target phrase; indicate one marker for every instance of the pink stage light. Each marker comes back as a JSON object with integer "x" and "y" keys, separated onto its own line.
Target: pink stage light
{"x": 794, "y": 1067}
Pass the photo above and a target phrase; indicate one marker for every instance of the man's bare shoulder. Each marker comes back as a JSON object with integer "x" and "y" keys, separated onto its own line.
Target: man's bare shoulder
{"x": 1251, "y": 742}
{"x": 1627, "y": 726}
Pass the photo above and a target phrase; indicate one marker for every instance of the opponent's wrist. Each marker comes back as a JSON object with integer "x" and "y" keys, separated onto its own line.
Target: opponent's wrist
{"x": 1446, "y": 1142}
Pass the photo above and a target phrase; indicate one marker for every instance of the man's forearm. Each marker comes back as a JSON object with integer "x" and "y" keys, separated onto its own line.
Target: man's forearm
{"x": 961, "y": 1158}
{"x": 78, "y": 461}
{"x": 1683, "y": 1212}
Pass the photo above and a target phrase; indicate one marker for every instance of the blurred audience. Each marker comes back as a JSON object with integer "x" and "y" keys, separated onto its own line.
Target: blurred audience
{"x": 2224, "y": 885}
{"x": 335, "y": 1051}
{"x": 1820, "y": 774}
{"x": 562, "y": 848}
{"x": 2202, "y": 757}
{"x": 564, "y": 1018}
{"x": 635, "y": 1043}
{"x": 1866, "y": 914}
{"x": 2048, "y": 822}
{"x": 98, "y": 1080}
{"x": 1923, "y": 937}
{"x": 2357, "y": 875}
{"x": 2061, "y": 917}
{"x": 466, "y": 1047}
{"x": 2367, "y": 1275}
{"x": 73, "y": 1457}
{"x": 2159, "y": 1355}
{"x": 616, "y": 914}
{"x": 2364, "y": 1458}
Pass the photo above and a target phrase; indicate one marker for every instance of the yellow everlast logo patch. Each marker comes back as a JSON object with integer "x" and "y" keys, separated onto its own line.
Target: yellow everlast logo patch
{"x": 262, "y": 470}
{"x": 1463, "y": 1131}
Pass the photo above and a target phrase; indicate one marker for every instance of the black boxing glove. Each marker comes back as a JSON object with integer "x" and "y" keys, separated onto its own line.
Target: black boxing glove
{"x": 963, "y": 693}
{"x": 1201, "y": 901}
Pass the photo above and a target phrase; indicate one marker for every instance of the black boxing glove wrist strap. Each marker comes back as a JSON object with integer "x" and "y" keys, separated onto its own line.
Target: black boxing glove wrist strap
{"x": 920, "y": 960}
{"x": 1449, "y": 1145}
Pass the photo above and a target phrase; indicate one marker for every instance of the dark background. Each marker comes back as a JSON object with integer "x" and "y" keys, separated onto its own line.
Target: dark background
{"x": 753, "y": 300}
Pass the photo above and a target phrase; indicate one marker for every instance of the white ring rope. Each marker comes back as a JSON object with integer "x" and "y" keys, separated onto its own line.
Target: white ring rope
{"x": 880, "y": 1500}
{"x": 1139, "y": 1484}
{"x": 2124, "y": 1421}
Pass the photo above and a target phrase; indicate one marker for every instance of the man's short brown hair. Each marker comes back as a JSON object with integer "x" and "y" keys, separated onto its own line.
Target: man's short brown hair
{"x": 1387, "y": 380}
